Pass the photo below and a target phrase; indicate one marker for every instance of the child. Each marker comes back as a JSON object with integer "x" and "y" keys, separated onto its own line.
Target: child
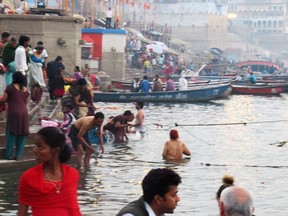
{"x": 59, "y": 85}
{"x": 69, "y": 119}
{"x": 77, "y": 73}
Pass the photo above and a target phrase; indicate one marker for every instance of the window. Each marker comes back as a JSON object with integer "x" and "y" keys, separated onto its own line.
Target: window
{"x": 269, "y": 24}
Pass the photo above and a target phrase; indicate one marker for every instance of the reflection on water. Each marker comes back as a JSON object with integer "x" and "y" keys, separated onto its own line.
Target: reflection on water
{"x": 241, "y": 150}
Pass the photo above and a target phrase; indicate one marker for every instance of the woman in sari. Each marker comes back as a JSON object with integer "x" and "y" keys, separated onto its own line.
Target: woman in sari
{"x": 17, "y": 124}
{"x": 36, "y": 76}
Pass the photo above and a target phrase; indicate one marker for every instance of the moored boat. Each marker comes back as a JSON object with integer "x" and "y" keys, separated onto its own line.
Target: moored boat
{"x": 126, "y": 86}
{"x": 255, "y": 89}
{"x": 195, "y": 94}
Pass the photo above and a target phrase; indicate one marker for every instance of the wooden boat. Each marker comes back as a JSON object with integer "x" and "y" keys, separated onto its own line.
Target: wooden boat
{"x": 126, "y": 86}
{"x": 256, "y": 89}
{"x": 195, "y": 94}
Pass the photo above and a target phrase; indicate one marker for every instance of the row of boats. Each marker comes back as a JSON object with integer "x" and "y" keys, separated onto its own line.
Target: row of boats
{"x": 199, "y": 90}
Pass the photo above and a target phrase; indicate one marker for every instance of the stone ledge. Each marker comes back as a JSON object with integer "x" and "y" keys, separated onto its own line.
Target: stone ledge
{"x": 32, "y": 17}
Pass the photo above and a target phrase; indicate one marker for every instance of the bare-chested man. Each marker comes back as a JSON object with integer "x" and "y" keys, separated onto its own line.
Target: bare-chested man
{"x": 174, "y": 148}
{"x": 139, "y": 119}
{"x": 80, "y": 139}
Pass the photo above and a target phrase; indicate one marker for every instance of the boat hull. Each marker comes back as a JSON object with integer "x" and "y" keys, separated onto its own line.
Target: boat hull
{"x": 197, "y": 94}
{"x": 257, "y": 90}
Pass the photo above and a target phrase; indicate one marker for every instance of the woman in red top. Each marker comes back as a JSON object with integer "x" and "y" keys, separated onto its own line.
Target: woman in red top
{"x": 50, "y": 188}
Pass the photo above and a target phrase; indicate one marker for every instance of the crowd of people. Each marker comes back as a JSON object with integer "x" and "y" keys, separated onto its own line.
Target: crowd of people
{"x": 51, "y": 187}
{"x": 157, "y": 85}
{"x": 164, "y": 63}
{"x": 25, "y": 74}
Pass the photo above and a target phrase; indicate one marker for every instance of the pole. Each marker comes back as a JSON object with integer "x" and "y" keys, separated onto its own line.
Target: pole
{"x": 87, "y": 9}
{"x": 66, "y": 7}
{"x": 24, "y": 8}
{"x": 116, "y": 13}
{"x": 93, "y": 13}
{"x": 72, "y": 9}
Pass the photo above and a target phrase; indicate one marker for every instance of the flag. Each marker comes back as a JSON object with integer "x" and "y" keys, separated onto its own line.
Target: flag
{"x": 147, "y": 6}
{"x": 154, "y": 7}
{"x": 132, "y": 3}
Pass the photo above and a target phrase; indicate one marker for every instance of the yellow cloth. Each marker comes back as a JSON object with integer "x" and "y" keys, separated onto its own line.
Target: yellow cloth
{"x": 147, "y": 64}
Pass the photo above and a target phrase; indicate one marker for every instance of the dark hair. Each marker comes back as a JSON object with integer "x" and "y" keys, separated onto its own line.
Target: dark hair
{"x": 158, "y": 182}
{"x": 19, "y": 78}
{"x": 227, "y": 181}
{"x": 23, "y": 39}
{"x": 141, "y": 104}
{"x": 77, "y": 67}
{"x": 40, "y": 43}
{"x": 82, "y": 81}
{"x": 127, "y": 113}
{"x": 145, "y": 77}
{"x": 39, "y": 47}
{"x": 68, "y": 106}
{"x": 54, "y": 137}
{"x": 58, "y": 58}
{"x": 5, "y": 35}
{"x": 99, "y": 115}
{"x": 13, "y": 39}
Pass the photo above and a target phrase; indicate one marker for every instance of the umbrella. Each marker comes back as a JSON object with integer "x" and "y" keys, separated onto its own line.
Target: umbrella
{"x": 100, "y": 22}
{"x": 216, "y": 51}
{"x": 163, "y": 45}
{"x": 156, "y": 48}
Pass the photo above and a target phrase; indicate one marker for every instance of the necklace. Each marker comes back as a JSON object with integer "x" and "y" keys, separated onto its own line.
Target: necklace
{"x": 56, "y": 187}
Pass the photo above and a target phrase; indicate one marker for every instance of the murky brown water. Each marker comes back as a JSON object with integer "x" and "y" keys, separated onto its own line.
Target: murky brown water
{"x": 243, "y": 151}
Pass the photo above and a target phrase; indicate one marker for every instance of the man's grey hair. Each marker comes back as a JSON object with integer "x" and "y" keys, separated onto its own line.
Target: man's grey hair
{"x": 237, "y": 201}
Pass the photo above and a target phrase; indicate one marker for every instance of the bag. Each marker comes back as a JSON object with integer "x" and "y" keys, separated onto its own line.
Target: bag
{"x": 67, "y": 100}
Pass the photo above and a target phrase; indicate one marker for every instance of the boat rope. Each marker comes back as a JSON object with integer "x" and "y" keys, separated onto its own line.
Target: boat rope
{"x": 201, "y": 140}
{"x": 231, "y": 123}
{"x": 280, "y": 144}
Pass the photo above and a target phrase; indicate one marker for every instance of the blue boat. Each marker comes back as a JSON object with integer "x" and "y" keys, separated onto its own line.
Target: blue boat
{"x": 195, "y": 94}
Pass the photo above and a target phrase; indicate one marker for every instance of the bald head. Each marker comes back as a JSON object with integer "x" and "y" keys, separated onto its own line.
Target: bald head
{"x": 236, "y": 201}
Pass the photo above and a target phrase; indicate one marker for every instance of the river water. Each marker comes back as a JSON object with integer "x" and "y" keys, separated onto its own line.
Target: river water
{"x": 248, "y": 152}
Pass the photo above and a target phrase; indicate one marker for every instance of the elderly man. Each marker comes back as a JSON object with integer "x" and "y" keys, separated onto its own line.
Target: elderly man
{"x": 236, "y": 201}
{"x": 160, "y": 194}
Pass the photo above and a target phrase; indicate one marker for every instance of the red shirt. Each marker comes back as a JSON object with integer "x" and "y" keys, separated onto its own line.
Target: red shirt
{"x": 41, "y": 194}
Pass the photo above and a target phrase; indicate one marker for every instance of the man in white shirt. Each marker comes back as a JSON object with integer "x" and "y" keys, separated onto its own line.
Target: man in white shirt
{"x": 109, "y": 15}
{"x": 160, "y": 188}
{"x": 20, "y": 54}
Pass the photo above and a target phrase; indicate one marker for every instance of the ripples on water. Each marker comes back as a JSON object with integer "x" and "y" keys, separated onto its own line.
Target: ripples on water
{"x": 243, "y": 151}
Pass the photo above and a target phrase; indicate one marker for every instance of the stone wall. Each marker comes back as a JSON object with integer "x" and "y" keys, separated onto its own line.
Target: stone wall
{"x": 113, "y": 55}
{"x": 48, "y": 29}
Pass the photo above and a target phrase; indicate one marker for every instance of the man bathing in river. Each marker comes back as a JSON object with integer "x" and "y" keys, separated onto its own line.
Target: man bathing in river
{"x": 174, "y": 148}
{"x": 139, "y": 119}
{"x": 119, "y": 126}
{"x": 79, "y": 136}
